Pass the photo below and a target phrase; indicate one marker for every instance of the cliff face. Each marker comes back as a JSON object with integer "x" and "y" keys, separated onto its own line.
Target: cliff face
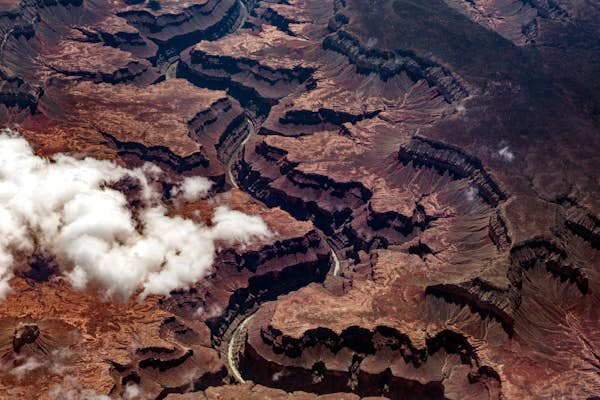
{"x": 260, "y": 275}
{"x": 369, "y": 363}
{"x": 443, "y": 214}
{"x": 388, "y": 64}
{"x": 428, "y": 172}
{"x": 262, "y": 68}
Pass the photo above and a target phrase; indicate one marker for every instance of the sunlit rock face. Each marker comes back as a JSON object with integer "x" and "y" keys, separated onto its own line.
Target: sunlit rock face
{"x": 316, "y": 199}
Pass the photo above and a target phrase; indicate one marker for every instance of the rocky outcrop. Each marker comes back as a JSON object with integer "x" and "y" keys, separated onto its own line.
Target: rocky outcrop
{"x": 483, "y": 298}
{"x": 263, "y": 275}
{"x": 173, "y": 28}
{"x": 397, "y": 221}
{"x": 223, "y": 64}
{"x": 178, "y": 365}
{"x": 25, "y": 334}
{"x": 498, "y": 232}
{"x": 543, "y": 253}
{"x": 448, "y": 159}
{"x": 250, "y": 391}
{"x": 14, "y": 92}
{"x": 296, "y": 362}
{"x": 388, "y": 64}
{"x": 582, "y": 223}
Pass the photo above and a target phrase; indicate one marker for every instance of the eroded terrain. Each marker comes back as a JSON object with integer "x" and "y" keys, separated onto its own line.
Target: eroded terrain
{"x": 429, "y": 172}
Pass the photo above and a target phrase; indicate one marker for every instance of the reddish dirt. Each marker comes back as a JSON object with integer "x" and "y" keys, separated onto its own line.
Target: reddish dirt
{"x": 445, "y": 152}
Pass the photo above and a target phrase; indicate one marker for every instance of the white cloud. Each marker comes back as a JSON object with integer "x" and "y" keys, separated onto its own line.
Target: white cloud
{"x": 66, "y": 208}
{"x": 506, "y": 154}
{"x": 278, "y": 375}
{"x": 227, "y": 225}
{"x": 55, "y": 362}
{"x": 193, "y": 188}
{"x": 132, "y": 392}
{"x": 59, "y": 363}
{"x": 372, "y": 42}
{"x": 70, "y": 389}
{"x": 30, "y": 364}
{"x": 209, "y": 312}
{"x": 471, "y": 193}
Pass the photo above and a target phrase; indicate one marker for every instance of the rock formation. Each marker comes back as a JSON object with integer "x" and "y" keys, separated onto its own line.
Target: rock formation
{"x": 428, "y": 171}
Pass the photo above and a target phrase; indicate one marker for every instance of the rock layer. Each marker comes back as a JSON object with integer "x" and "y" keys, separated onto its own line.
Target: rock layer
{"x": 428, "y": 172}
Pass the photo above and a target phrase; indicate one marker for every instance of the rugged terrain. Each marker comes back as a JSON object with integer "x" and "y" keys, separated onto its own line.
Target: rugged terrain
{"x": 429, "y": 171}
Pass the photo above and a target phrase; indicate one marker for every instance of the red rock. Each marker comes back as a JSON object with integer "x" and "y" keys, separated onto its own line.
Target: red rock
{"x": 444, "y": 152}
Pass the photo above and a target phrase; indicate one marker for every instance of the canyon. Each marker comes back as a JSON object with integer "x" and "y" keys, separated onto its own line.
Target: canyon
{"x": 428, "y": 171}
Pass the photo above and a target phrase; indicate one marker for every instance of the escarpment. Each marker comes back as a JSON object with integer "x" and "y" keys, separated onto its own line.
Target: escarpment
{"x": 444, "y": 158}
{"x": 518, "y": 21}
{"x": 267, "y": 84}
{"x": 483, "y": 298}
{"x": 388, "y": 64}
{"x": 582, "y": 223}
{"x": 14, "y": 92}
{"x": 264, "y": 72}
{"x": 501, "y": 303}
{"x": 544, "y": 253}
{"x": 136, "y": 153}
{"x": 115, "y": 32}
{"x": 258, "y": 183}
{"x": 261, "y": 275}
{"x": 278, "y": 20}
{"x": 377, "y": 362}
{"x": 174, "y": 29}
{"x": 548, "y": 8}
{"x": 426, "y": 171}
{"x": 323, "y": 115}
{"x": 95, "y": 62}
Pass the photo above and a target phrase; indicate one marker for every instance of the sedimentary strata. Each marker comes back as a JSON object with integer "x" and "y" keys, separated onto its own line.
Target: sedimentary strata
{"x": 427, "y": 171}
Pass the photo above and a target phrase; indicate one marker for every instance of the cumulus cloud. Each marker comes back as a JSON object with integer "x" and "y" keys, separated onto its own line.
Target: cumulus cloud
{"x": 372, "y": 42}
{"x": 133, "y": 392}
{"x": 30, "y": 364}
{"x": 71, "y": 210}
{"x": 209, "y": 312}
{"x": 506, "y": 154}
{"x": 193, "y": 188}
{"x": 70, "y": 389}
{"x": 21, "y": 366}
{"x": 59, "y": 362}
{"x": 278, "y": 375}
{"x": 471, "y": 193}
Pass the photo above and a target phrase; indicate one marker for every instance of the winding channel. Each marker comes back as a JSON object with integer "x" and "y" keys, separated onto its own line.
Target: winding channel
{"x": 233, "y": 345}
{"x": 234, "y": 342}
{"x": 237, "y": 151}
{"x": 244, "y": 14}
{"x": 231, "y": 348}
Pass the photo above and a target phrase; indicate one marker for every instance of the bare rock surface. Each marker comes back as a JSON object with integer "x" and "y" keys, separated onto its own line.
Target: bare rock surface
{"x": 428, "y": 172}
